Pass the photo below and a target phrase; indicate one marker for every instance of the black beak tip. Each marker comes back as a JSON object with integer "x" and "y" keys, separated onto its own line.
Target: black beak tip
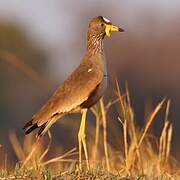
{"x": 121, "y": 30}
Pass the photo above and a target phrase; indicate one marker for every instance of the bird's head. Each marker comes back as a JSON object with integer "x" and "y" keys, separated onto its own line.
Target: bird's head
{"x": 101, "y": 25}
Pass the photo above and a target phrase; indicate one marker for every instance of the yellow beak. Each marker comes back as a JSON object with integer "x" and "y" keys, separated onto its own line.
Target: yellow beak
{"x": 109, "y": 28}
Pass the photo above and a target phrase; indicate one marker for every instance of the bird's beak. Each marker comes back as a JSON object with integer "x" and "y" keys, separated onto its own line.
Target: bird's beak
{"x": 109, "y": 28}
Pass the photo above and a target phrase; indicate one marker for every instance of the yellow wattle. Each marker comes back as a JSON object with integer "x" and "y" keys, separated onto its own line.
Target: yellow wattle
{"x": 107, "y": 30}
{"x": 110, "y": 28}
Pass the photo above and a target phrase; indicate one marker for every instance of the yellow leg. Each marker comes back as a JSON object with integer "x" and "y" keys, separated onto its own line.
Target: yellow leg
{"x": 81, "y": 140}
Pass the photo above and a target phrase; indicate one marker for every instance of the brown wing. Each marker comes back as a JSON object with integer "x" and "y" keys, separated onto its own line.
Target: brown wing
{"x": 73, "y": 92}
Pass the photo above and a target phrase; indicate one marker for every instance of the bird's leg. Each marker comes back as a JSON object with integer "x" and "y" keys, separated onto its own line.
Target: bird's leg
{"x": 81, "y": 140}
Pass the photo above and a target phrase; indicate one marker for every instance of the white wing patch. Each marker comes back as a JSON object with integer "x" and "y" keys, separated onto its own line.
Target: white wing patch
{"x": 89, "y": 70}
{"x": 106, "y": 20}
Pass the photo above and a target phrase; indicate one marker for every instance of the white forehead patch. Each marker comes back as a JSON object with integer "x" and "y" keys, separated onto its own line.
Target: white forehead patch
{"x": 106, "y": 20}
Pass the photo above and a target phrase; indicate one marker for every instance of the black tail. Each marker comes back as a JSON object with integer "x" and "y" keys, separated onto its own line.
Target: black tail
{"x": 29, "y": 127}
{"x": 42, "y": 131}
{"x": 43, "y": 128}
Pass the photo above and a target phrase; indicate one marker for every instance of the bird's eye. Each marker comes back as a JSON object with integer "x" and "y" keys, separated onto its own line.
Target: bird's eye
{"x": 102, "y": 25}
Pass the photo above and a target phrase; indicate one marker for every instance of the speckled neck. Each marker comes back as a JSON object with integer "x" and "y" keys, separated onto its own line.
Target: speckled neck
{"x": 94, "y": 42}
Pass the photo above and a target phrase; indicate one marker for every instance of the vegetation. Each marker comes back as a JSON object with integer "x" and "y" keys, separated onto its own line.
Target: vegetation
{"x": 140, "y": 156}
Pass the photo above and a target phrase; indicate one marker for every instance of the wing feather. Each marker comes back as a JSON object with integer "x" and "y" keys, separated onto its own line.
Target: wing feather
{"x": 73, "y": 92}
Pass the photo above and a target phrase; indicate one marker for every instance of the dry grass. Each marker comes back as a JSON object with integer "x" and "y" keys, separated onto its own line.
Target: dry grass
{"x": 142, "y": 155}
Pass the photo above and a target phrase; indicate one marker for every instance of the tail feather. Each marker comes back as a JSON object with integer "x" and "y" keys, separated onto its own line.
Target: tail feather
{"x": 44, "y": 128}
{"x": 30, "y": 129}
{"x": 29, "y": 123}
{"x": 31, "y": 126}
{"x": 42, "y": 131}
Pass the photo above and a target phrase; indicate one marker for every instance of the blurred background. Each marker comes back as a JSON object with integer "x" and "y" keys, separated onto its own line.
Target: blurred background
{"x": 41, "y": 43}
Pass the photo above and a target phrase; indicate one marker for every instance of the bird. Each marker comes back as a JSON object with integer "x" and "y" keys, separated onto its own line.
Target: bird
{"x": 82, "y": 89}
